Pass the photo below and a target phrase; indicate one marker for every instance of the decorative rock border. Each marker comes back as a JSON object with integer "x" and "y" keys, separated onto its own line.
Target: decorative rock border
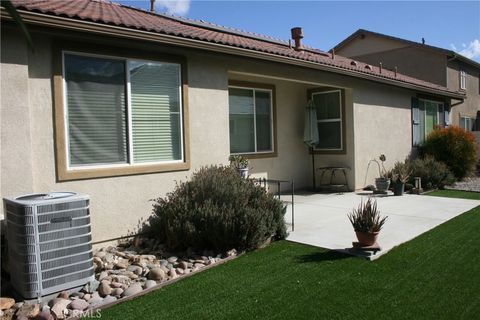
{"x": 148, "y": 290}
{"x": 122, "y": 273}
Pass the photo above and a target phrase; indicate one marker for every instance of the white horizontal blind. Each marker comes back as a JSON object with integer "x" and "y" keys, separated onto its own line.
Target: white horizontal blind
{"x": 242, "y": 120}
{"x": 95, "y": 91}
{"x": 155, "y": 109}
{"x": 263, "y": 120}
{"x": 329, "y": 119}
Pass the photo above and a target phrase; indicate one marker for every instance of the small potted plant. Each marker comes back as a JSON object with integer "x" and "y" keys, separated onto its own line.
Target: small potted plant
{"x": 382, "y": 183}
{"x": 400, "y": 175}
{"x": 367, "y": 222}
{"x": 241, "y": 164}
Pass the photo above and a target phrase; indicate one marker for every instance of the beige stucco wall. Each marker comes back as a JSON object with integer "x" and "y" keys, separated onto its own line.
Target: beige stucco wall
{"x": 27, "y": 136}
{"x": 421, "y": 63}
{"x": 294, "y": 160}
{"x": 413, "y": 61}
{"x": 471, "y": 105}
{"x": 367, "y": 45}
{"x": 117, "y": 204}
{"x": 382, "y": 126}
{"x": 16, "y": 149}
{"x": 291, "y": 100}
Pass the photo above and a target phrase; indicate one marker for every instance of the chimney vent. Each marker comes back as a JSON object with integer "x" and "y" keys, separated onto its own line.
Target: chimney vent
{"x": 297, "y": 36}
{"x": 152, "y": 5}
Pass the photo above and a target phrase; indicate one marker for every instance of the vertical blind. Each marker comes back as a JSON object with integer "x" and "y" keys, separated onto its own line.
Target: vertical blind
{"x": 425, "y": 116}
{"x": 97, "y": 110}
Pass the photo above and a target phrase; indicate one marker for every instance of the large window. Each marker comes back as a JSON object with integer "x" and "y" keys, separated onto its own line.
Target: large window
{"x": 251, "y": 120}
{"x": 426, "y": 115}
{"x": 329, "y": 119}
{"x": 121, "y": 112}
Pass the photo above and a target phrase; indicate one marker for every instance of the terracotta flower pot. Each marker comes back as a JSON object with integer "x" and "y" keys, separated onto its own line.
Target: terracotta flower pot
{"x": 367, "y": 238}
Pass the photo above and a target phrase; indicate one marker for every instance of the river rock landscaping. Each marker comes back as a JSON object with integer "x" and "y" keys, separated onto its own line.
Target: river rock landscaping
{"x": 120, "y": 271}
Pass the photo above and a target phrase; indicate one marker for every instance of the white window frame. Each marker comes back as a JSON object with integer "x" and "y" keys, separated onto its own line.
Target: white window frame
{"x": 130, "y": 161}
{"x": 332, "y": 120}
{"x": 254, "y": 89}
{"x": 438, "y": 103}
{"x": 463, "y": 79}
{"x": 463, "y": 120}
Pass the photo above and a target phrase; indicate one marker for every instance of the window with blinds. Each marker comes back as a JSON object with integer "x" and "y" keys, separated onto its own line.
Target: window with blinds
{"x": 251, "y": 120}
{"x": 426, "y": 116}
{"x": 122, "y": 111}
{"x": 329, "y": 119}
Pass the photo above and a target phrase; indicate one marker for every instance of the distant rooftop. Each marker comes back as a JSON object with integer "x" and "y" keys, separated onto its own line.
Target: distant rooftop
{"x": 447, "y": 52}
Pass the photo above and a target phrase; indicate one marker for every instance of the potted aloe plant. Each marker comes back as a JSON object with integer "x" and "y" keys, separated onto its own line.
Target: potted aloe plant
{"x": 382, "y": 183}
{"x": 240, "y": 163}
{"x": 400, "y": 175}
{"x": 367, "y": 222}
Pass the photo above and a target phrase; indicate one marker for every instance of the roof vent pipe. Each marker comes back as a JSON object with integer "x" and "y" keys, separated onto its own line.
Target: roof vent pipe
{"x": 152, "y": 5}
{"x": 297, "y": 36}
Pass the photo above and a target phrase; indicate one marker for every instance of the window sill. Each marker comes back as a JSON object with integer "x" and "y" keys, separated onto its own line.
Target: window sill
{"x": 327, "y": 151}
{"x": 81, "y": 174}
{"x": 258, "y": 155}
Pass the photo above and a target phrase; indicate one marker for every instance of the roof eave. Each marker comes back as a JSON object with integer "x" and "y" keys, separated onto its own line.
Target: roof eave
{"x": 123, "y": 32}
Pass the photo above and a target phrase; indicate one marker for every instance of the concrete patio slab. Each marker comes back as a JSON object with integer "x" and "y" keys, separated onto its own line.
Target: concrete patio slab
{"x": 321, "y": 219}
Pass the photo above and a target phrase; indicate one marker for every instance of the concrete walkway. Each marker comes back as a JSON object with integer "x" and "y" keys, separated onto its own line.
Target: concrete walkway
{"x": 321, "y": 219}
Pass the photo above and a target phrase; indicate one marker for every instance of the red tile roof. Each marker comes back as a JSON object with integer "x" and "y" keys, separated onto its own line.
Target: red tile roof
{"x": 110, "y": 13}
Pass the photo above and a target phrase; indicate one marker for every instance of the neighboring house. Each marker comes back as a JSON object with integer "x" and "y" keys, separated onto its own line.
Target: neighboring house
{"x": 443, "y": 67}
{"x": 120, "y": 103}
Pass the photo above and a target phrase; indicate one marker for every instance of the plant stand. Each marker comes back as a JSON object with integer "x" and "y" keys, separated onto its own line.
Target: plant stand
{"x": 330, "y": 186}
{"x": 365, "y": 251}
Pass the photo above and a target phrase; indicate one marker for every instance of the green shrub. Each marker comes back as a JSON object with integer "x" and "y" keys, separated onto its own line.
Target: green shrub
{"x": 366, "y": 218}
{"x": 453, "y": 146}
{"x": 218, "y": 210}
{"x": 434, "y": 174}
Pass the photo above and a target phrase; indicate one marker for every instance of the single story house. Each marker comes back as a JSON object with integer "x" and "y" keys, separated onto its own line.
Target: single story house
{"x": 120, "y": 103}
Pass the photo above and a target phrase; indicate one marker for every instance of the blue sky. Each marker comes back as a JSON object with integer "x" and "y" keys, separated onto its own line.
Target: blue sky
{"x": 448, "y": 24}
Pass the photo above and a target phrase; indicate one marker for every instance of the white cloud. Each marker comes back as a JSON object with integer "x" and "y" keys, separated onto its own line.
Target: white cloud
{"x": 472, "y": 51}
{"x": 453, "y": 47}
{"x": 175, "y": 7}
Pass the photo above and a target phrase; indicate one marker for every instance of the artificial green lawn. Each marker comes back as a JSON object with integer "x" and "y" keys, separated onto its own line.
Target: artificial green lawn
{"x": 435, "y": 276}
{"x": 455, "y": 194}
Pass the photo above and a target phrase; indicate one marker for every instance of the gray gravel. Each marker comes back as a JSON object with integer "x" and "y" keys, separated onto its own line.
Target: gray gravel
{"x": 469, "y": 184}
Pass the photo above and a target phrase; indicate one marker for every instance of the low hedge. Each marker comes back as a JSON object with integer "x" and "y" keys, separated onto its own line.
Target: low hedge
{"x": 218, "y": 210}
{"x": 455, "y": 147}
